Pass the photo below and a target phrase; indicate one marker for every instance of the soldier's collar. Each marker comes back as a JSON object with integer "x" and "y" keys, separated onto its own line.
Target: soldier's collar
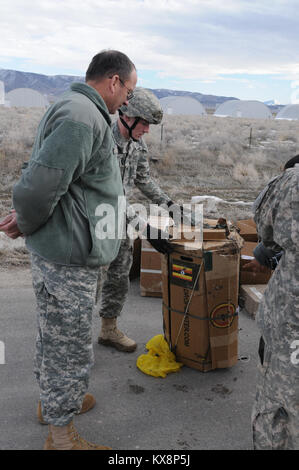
{"x": 121, "y": 141}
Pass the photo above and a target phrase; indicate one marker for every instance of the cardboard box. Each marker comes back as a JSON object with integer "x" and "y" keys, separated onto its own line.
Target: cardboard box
{"x": 208, "y": 232}
{"x": 150, "y": 265}
{"x": 248, "y": 230}
{"x": 248, "y": 277}
{"x": 200, "y": 302}
{"x": 250, "y": 296}
{"x": 150, "y": 271}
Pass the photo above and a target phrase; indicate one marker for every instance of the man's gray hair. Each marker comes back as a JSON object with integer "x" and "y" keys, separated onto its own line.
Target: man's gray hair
{"x": 108, "y": 63}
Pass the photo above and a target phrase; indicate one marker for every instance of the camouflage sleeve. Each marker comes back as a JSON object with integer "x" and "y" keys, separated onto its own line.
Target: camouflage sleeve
{"x": 137, "y": 220}
{"x": 286, "y": 219}
{"x": 146, "y": 184}
{"x": 277, "y": 216}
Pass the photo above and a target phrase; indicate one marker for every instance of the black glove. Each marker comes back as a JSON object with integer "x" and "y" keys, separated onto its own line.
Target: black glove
{"x": 267, "y": 257}
{"x": 157, "y": 238}
{"x": 178, "y": 211}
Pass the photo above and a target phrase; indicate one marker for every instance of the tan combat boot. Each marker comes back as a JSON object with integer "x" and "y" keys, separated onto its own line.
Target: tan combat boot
{"x": 67, "y": 438}
{"x": 110, "y": 335}
{"x": 88, "y": 403}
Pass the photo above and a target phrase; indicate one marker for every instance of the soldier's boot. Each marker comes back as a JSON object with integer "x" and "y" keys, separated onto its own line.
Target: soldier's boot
{"x": 88, "y": 403}
{"x": 110, "y": 335}
{"x": 68, "y": 438}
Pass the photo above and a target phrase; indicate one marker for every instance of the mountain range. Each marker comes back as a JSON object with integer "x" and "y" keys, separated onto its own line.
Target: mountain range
{"x": 55, "y": 85}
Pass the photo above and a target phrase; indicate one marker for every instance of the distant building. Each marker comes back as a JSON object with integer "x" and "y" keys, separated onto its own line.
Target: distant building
{"x": 182, "y": 105}
{"x": 26, "y": 98}
{"x": 289, "y": 112}
{"x": 2, "y": 94}
{"x": 243, "y": 109}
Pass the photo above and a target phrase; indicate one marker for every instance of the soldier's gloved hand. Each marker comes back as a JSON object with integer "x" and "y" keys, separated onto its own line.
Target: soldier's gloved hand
{"x": 158, "y": 239}
{"x": 177, "y": 212}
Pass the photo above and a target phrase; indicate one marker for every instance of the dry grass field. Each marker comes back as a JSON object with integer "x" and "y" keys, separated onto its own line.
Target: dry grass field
{"x": 229, "y": 158}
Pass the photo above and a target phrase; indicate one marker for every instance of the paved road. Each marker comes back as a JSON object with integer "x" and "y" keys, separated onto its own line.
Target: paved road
{"x": 186, "y": 410}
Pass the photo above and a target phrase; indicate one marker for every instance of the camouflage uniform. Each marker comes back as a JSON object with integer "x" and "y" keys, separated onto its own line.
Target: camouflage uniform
{"x": 134, "y": 168}
{"x": 71, "y": 171}
{"x": 275, "y": 416}
{"x": 64, "y": 355}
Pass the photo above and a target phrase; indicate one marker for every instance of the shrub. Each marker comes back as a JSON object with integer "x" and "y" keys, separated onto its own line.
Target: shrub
{"x": 198, "y": 154}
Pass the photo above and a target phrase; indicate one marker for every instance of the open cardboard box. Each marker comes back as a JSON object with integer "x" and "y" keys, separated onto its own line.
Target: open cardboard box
{"x": 248, "y": 277}
{"x": 248, "y": 230}
{"x": 200, "y": 284}
{"x": 197, "y": 233}
{"x": 150, "y": 268}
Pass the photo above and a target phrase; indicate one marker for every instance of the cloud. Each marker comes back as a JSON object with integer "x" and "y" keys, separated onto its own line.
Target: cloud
{"x": 198, "y": 39}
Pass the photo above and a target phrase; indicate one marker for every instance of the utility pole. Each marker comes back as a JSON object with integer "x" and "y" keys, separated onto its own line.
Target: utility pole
{"x": 250, "y": 137}
{"x": 161, "y": 142}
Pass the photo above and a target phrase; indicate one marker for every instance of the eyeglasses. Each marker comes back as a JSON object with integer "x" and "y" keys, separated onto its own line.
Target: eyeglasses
{"x": 130, "y": 94}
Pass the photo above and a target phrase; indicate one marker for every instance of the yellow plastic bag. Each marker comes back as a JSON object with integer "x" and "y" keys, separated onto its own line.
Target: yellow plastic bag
{"x": 159, "y": 361}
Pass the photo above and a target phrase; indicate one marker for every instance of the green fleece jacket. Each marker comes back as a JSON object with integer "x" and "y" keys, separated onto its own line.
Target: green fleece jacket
{"x": 73, "y": 171}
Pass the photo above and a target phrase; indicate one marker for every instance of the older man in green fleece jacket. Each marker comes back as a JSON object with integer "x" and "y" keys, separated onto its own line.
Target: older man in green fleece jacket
{"x": 71, "y": 172}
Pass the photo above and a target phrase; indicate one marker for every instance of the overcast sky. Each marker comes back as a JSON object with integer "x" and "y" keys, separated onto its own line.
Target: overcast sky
{"x": 246, "y": 49}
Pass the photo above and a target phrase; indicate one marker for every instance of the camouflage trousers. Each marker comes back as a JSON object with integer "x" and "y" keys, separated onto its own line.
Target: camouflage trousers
{"x": 275, "y": 414}
{"x": 113, "y": 283}
{"x": 65, "y": 298}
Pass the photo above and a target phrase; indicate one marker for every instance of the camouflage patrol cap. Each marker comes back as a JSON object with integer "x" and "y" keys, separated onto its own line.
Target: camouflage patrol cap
{"x": 144, "y": 105}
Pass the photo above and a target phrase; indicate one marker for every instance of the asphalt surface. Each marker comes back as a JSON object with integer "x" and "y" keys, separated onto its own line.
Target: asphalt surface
{"x": 186, "y": 410}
